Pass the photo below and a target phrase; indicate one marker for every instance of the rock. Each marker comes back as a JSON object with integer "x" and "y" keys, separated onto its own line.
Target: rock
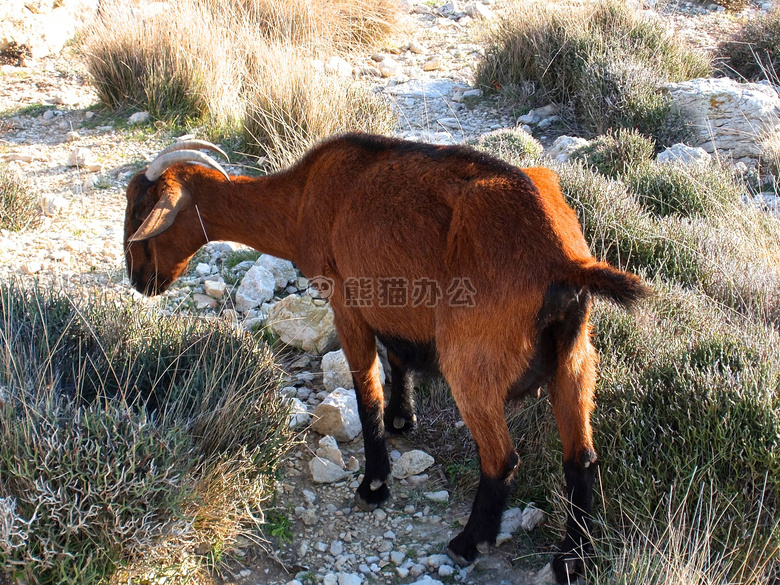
{"x": 215, "y": 288}
{"x": 416, "y": 48}
{"x": 433, "y": 64}
{"x": 687, "y": 155}
{"x": 349, "y": 579}
{"x": 324, "y": 471}
{"x": 204, "y": 301}
{"x": 478, "y": 10}
{"x": 300, "y": 323}
{"x": 328, "y": 449}
{"x": 72, "y": 136}
{"x": 388, "y": 67}
{"x": 256, "y": 288}
{"x": 338, "y": 66}
{"x": 52, "y": 205}
{"x": 299, "y": 415}
{"x": 564, "y": 146}
{"x": 440, "y": 497}
{"x": 337, "y": 374}
{"x": 139, "y": 118}
{"x": 203, "y": 269}
{"x": 412, "y": 463}
{"x": 446, "y": 571}
{"x": 18, "y": 157}
{"x": 32, "y": 267}
{"x": 531, "y": 518}
{"x": 79, "y": 157}
{"x": 337, "y": 415}
{"x": 725, "y": 115}
{"x": 546, "y": 576}
{"x": 283, "y": 270}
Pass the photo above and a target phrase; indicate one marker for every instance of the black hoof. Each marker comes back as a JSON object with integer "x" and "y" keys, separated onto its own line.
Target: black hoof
{"x": 369, "y": 499}
{"x": 399, "y": 423}
{"x": 462, "y": 549}
{"x": 568, "y": 568}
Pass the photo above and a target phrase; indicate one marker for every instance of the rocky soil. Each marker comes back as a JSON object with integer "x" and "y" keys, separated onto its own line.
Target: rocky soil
{"x": 80, "y": 160}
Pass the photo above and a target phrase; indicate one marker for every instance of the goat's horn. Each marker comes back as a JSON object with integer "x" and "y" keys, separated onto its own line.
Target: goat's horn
{"x": 193, "y": 145}
{"x": 158, "y": 165}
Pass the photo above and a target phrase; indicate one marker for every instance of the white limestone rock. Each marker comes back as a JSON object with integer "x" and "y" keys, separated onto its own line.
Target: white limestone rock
{"x": 336, "y": 372}
{"x": 725, "y": 115}
{"x": 325, "y": 471}
{"x": 412, "y": 463}
{"x": 138, "y": 118}
{"x": 328, "y": 449}
{"x": 256, "y": 288}
{"x": 337, "y": 415}
{"x": 299, "y": 322}
{"x": 683, "y": 154}
{"x": 283, "y": 270}
{"x": 564, "y": 146}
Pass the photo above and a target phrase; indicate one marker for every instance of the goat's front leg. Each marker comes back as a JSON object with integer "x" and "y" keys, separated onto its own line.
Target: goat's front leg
{"x": 359, "y": 345}
{"x": 571, "y": 395}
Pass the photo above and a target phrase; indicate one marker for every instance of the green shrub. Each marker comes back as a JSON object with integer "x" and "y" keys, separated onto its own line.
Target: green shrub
{"x": 616, "y": 152}
{"x": 754, "y": 51}
{"x": 600, "y": 57}
{"x": 19, "y": 207}
{"x": 514, "y": 146}
{"x": 126, "y": 439}
{"x": 687, "y": 191}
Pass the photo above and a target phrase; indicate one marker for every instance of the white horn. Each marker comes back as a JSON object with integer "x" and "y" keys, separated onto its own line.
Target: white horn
{"x": 193, "y": 145}
{"x": 158, "y": 166}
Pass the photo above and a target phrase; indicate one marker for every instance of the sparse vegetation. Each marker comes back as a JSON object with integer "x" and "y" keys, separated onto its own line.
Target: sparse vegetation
{"x": 600, "y": 57}
{"x": 514, "y": 146}
{"x": 127, "y": 439}
{"x": 19, "y": 206}
{"x": 754, "y": 51}
{"x": 244, "y": 68}
{"x": 616, "y": 152}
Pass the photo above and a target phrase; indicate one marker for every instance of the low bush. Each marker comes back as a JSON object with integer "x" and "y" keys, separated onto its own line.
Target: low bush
{"x": 289, "y": 106}
{"x": 601, "y": 57}
{"x": 183, "y": 67}
{"x": 125, "y": 440}
{"x": 514, "y": 146}
{"x": 685, "y": 191}
{"x": 754, "y": 51}
{"x": 615, "y": 153}
{"x": 19, "y": 206}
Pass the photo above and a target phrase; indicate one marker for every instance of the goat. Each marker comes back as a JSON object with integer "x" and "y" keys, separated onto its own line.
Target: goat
{"x": 358, "y": 206}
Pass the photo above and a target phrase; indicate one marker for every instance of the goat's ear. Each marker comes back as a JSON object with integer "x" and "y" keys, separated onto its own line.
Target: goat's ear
{"x": 163, "y": 214}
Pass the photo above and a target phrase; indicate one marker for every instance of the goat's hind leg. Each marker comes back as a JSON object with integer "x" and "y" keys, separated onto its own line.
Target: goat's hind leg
{"x": 498, "y": 461}
{"x": 571, "y": 395}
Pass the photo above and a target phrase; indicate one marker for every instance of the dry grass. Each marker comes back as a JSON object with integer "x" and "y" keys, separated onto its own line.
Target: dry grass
{"x": 244, "y": 67}
{"x": 290, "y": 106}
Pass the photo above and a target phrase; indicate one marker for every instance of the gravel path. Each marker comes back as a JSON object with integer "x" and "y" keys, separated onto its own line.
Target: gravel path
{"x": 79, "y": 243}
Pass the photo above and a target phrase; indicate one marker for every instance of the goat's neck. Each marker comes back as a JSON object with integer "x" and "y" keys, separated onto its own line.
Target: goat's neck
{"x": 259, "y": 212}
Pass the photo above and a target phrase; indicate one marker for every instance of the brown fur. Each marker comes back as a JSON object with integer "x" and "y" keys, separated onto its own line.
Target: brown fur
{"x": 370, "y": 207}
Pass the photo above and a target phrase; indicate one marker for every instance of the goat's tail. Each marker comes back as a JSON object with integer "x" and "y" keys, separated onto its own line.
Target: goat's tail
{"x": 620, "y": 287}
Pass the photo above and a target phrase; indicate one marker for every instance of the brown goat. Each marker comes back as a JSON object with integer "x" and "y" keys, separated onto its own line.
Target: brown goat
{"x": 500, "y": 252}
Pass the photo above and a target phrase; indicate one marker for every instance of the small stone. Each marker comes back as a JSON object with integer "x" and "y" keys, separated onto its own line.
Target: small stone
{"x": 336, "y": 548}
{"x": 397, "y": 557}
{"x": 72, "y": 136}
{"x": 433, "y": 64}
{"x": 441, "y": 497}
{"x": 139, "y": 118}
{"x": 324, "y": 471}
{"x": 446, "y": 571}
{"x": 48, "y": 115}
{"x": 203, "y": 269}
{"x": 412, "y": 463}
{"x": 52, "y": 205}
{"x": 215, "y": 288}
{"x": 416, "y": 48}
{"x": 204, "y": 302}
